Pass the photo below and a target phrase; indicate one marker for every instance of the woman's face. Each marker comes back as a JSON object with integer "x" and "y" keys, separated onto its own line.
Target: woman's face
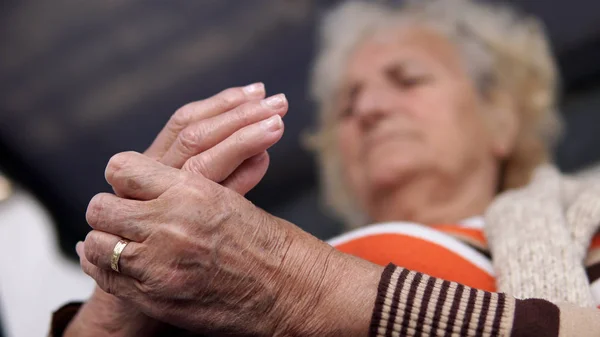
{"x": 408, "y": 109}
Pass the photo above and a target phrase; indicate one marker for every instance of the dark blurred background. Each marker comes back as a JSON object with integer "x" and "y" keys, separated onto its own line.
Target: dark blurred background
{"x": 83, "y": 80}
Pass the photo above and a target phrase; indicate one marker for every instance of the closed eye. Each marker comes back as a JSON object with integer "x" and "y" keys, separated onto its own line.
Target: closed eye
{"x": 399, "y": 77}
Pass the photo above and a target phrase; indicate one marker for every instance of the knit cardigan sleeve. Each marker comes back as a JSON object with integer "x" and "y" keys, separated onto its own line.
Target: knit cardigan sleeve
{"x": 414, "y": 304}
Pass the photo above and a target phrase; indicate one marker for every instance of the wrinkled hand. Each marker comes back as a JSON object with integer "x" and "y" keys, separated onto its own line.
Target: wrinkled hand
{"x": 219, "y": 138}
{"x": 222, "y": 137}
{"x": 201, "y": 256}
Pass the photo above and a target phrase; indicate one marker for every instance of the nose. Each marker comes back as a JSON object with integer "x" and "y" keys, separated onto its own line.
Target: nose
{"x": 371, "y": 106}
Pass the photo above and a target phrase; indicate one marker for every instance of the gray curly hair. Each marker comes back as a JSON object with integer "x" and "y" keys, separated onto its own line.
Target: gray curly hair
{"x": 502, "y": 51}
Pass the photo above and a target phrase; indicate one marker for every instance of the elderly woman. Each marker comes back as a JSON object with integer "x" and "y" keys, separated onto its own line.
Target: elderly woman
{"x": 428, "y": 112}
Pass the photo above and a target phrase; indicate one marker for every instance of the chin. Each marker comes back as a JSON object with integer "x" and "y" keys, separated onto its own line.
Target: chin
{"x": 390, "y": 171}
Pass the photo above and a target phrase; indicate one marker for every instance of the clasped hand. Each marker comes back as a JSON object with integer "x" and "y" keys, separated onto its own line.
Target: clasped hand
{"x": 201, "y": 256}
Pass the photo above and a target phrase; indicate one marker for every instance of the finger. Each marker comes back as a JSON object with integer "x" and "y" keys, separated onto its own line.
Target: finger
{"x": 189, "y": 113}
{"x": 123, "y": 217}
{"x": 207, "y": 133}
{"x": 98, "y": 250}
{"x": 111, "y": 282}
{"x": 220, "y": 161}
{"x": 135, "y": 176}
{"x": 249, "y": 174}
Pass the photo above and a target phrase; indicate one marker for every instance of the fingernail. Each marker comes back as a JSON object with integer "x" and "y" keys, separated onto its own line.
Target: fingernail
{"x": 254, "y": 89}
{"x": 271, "y": 124}
{"x": 275, "y": 102}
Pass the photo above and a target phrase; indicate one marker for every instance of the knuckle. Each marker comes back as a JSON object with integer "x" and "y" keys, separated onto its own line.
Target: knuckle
{"x": 116, "y": 163}
{"x": 229, "y": 97}
{"x": 132, "y": 254}
{"x": 196, "y": 165}
{"x": 144, "y": 288}
{"x": 179, "y": 279}
{"x": 164, "y": 232}
{"x": 120, "y": 159}
{"x": 152, "y": 288}
{"x": 202, "y": 131}
{"x": 91, "y": 248}
{"x": 217, "y": 196}
{"x": 244, "y": 113}
{"x": 94, "y": 210}
{"x": 199, "y": 192}
{"x": 182, "y": 117}
{"x": 189, "y": 139}
{"x": 191, "y": 179}
{"x": 176, "y": 231}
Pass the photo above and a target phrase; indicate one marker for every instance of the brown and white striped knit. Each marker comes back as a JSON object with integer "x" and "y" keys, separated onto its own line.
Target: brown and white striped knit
{"x": 410, "y": 303}
{"x": 413, "y": 304}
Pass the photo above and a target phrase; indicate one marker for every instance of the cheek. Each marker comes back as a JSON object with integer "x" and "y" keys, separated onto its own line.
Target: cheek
{"x": 348, "y": 137}
{"x": 349, "y": 144}
{"x": 459, "y": 133}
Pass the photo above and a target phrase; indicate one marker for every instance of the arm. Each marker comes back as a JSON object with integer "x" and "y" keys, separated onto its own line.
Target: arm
{"x": 357, "y": 316}
{"x": 207, "y": 260}
{"x": 358, "y": 298}
{"x": 408, "y": 303}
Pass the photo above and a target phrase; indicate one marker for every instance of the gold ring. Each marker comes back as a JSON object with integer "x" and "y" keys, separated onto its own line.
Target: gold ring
{"x": 116, "y": 255}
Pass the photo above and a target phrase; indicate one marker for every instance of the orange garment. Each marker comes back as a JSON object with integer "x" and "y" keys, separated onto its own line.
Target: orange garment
{"x": 451, "y": 252}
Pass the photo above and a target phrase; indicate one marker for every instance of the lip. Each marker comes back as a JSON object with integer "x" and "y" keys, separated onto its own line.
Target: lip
{"x": 378, "y": 138}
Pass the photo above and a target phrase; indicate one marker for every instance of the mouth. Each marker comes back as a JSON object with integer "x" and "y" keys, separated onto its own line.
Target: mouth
{"x": 378, "y": 138}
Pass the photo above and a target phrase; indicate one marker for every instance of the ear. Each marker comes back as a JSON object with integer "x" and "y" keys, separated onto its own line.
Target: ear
{"x": 503, "y": 124}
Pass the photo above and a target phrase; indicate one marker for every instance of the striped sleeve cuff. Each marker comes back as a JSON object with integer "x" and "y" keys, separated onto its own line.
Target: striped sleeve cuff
{"x": 414, "y": 304}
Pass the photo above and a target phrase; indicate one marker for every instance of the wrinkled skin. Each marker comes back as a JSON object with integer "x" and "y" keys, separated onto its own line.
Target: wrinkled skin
{"x": 201, "y": 256}
{"x": 408, "y": 114}
{"x": 204, "y": 258}
{"x": 192, "y": 140}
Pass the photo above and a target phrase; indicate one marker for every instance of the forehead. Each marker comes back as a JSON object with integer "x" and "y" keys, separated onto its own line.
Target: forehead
{"x": 418, "y": 46}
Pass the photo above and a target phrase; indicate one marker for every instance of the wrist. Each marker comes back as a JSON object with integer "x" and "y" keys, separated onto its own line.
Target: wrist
{"x": 349, "y": 295}
{"x": 106, "y": 315}
{"x": 327, "y": 292}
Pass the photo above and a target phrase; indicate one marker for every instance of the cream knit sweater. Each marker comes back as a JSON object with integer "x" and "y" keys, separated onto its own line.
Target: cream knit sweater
{"x": 539, "y": 235}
